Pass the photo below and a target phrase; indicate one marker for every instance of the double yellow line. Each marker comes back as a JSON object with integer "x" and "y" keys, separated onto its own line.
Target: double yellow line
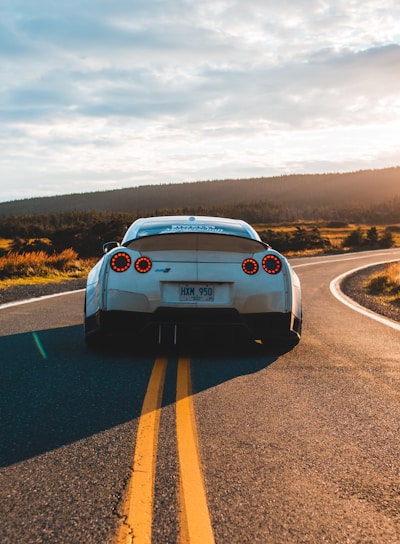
{"x": 194, "y": 523}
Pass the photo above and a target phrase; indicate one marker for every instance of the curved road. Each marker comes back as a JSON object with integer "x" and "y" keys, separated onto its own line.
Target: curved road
{"x": 299, "y": 447}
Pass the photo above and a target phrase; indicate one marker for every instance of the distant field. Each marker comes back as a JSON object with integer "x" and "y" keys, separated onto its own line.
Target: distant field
{"x": 335, "y": 235}
{"x": 39, "y": 269}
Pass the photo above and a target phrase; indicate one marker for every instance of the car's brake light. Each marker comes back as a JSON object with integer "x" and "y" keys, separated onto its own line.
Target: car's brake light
{"x": 271, "y": 264}
{"x": 143, "y": 265}
{"x": 120, "y": 261}
{"x": 250, "y": 266}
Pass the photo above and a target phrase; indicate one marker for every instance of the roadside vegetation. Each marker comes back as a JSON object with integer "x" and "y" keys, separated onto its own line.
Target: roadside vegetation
{"x": 386, "y": 284}
{"x": 39, "y": 267}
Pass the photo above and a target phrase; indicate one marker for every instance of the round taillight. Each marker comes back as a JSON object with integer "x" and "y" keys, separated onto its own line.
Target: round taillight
{"x": 250, "y": 266}
{"x": 272, "y": 264}
{"x": 143, "y": 265}
{"x": 120, "y": 261}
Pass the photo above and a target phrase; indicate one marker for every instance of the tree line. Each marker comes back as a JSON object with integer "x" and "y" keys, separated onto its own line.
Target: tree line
{"x": 86, "y": 231}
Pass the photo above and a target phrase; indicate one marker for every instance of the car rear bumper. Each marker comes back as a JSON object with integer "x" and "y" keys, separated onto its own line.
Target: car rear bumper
{"x": 259, "y": 325}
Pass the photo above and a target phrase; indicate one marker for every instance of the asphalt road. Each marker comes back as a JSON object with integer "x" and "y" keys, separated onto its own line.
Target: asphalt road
{"x": 299, "y": 447}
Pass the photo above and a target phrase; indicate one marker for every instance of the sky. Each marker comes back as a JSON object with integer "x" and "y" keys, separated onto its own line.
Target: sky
{"x": 103, "y": 94}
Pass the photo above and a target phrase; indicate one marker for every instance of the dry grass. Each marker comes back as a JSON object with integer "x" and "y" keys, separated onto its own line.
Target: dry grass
{"x": 39, "y": 267}
{"x": 5, "y": 244}
{"x": 386, "y": 283}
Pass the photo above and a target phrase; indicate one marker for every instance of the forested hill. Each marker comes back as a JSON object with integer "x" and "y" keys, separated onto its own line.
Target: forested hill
{"x": 301, "y": 192}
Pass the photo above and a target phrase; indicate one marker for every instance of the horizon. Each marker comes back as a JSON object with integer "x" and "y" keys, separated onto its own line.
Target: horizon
{"x": 126, "y": 96}
{"x": 265, "y": 178}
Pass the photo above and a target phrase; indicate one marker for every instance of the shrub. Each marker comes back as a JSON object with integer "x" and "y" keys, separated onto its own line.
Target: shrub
{"x": 372, "y": 240}
{"x": 63, "y": 261}
{"x": 386, "y": 240}
{"x": 299, "y": 240}
{"x": 354, "y": 239}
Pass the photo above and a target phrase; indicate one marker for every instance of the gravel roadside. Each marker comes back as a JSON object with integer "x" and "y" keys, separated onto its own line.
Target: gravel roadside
{"x": 354, "y": 287}
{"x": 21, "y": 292}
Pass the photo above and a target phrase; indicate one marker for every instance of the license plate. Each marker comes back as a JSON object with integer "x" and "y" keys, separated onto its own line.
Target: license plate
{"x": 196, "y": 292}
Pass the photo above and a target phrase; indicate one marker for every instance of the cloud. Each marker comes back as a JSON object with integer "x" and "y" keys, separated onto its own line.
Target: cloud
{"x": 139, "y": 92}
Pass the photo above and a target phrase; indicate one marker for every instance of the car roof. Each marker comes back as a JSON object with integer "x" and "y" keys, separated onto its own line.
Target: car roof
{"x": 174, "y": 224}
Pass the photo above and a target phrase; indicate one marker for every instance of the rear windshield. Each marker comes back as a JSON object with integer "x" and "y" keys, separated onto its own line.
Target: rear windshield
{"x": 233, "y": 229}
{"x": 196, "y": 241}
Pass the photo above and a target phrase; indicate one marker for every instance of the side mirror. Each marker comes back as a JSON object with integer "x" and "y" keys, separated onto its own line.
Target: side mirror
{"x": 108, "y": 246}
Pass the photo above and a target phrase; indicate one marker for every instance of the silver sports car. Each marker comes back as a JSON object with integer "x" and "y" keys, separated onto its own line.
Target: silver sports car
{"x": 170, "y": 273}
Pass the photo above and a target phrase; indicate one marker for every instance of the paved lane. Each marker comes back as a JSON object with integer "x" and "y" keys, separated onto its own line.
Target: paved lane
{"x": 294, "y": 447}
{"x": 307, "y": 448}
{"x": 67, "y": 423}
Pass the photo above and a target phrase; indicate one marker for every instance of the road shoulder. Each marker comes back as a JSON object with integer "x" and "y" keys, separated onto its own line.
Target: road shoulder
{"x": 353, "y": 286}
{"x": 28, "y": 291}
